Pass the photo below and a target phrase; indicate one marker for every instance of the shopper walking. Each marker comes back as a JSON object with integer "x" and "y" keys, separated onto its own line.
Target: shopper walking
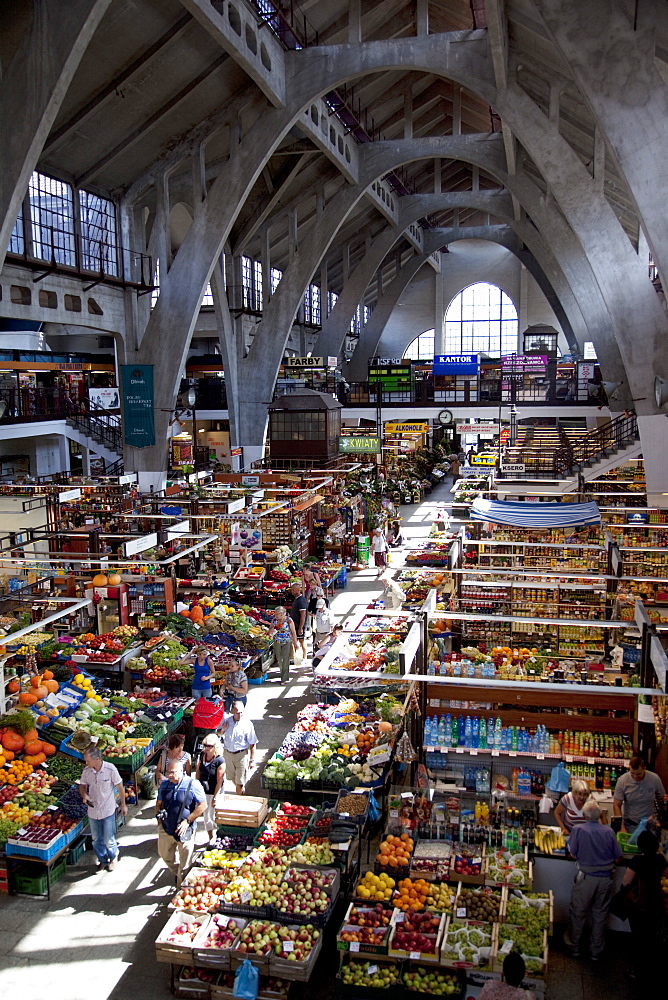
{"x": 298, "y": 612}
{"x": 239, "y": 742}
{"x": 595, "y": 849}
{"x": 210, "y": 772}
{"x": 97, "y": 785}
{"x": 645, "y": 907}
{"x": 174, "y": 751}
{"x": 379, "y": 549}
{"x": 181, "y": 801}
{"x": 284, "y": 637}
{"x": 635, "y": 794}
{"x": 455, "y": 465}
{"x": 324, "y": 620}
{"x": 236, "y": 688}
{"x": 514, "y": 971}
{"x": 568, "y": 811}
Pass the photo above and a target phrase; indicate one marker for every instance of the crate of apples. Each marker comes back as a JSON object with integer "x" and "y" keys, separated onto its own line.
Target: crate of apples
{"x": 438, "y": 983}
{"x": 295, "y": 944}
{"x": 257, "y": 939}
{"x": 416, "y": 936}
{"x": 368, "y": 916}
{"x": 367, "y": 939}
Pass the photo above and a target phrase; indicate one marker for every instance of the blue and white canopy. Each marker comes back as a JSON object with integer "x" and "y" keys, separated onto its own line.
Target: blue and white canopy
{"x": 535, "y": 515}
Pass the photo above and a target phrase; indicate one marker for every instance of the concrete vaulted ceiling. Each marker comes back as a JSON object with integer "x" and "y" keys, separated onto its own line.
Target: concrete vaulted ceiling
{"x": 149, "y": 101}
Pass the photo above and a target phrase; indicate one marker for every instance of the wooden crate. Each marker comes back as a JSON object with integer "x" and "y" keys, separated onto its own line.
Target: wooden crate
{"x": 215, "y": 958}
{"x": 248, "y": 811}
{"x": 431, "y": 958}
{"x": 178, "y": 954}
{"x": 362, "y": 949}
{"x": 451, "y": 960}
{"x": 298, "y": 971}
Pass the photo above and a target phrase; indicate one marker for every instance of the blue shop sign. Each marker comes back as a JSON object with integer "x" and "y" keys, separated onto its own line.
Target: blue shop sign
{"x": 455, "y": 364}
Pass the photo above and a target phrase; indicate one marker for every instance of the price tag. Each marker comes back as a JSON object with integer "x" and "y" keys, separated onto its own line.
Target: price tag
{"x": 476, "y": 861}
{"x": 461, "y": 911}
{"x": 245, "y": 896}
{"x": 340, "y": 847}
{"x": 540, "y": 756}
{"x": 434, "y": 703}
{"x": 414, "y": 954}
{"x": 474, "y": 753}
{"x": 372, "y": 970}
{"x": 52, "y": 808}
{"x": 394, "y": 813}
{"x": 495, "y": 753}
{"x": 506, "y": 947}
{"x": 459, "y": 749}
{"x": 569, "y": 759}
{"x": 407, "y": 795}
{"x": 290, "y": 945}
{"x": 159, "y": 716}
{"x": 344, "y": 814}
{"x": 400, "y": 917}
{"x": 22, "y": 831}
{"x": 354, "y": 945}
{"x": 591, "y": 760}
{"x": 222, "y": 921}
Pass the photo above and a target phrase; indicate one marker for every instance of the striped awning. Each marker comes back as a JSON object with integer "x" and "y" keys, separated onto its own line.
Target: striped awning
{"x": 535, "y": 515}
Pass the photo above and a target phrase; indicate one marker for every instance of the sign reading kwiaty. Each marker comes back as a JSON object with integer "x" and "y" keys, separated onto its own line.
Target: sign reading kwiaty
{"x": 138, "y": 423}
{"x": 361, "y": 445}
{"x": 455, "y": 364}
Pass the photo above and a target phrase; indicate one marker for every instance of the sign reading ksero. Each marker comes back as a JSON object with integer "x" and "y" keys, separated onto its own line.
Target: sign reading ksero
{"x": 517, "y": 467}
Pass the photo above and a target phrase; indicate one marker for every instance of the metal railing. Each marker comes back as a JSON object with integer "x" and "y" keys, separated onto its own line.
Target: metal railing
{"x": 101, "y": 425}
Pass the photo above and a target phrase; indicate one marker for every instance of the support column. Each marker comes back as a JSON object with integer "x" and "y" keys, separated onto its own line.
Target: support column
{"x": 439, "y": 309}
{"x": 354, "y": 22}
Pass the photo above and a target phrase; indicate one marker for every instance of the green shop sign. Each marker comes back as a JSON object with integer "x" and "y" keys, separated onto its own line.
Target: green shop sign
{"x": 365, "y": 445}
{"x": 138, "y": 424}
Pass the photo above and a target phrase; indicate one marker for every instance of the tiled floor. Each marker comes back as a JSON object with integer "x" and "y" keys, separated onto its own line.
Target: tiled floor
{"x": 95, "y": 939}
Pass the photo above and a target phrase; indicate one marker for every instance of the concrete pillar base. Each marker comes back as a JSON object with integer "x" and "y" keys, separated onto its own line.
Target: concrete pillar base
{"x": 151, "y": 482}
{"x": 251, "y": 453}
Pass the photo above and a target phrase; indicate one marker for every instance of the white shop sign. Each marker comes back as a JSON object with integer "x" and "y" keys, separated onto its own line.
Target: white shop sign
{"x": 141, "y": 544}
{"x": 69, "y": 495}
{"x": 517, "y": 467}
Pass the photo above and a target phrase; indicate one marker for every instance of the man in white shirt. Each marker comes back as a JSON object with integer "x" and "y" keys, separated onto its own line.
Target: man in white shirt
{"x": 239, "y": 741}
{"x": 96, "y": 788}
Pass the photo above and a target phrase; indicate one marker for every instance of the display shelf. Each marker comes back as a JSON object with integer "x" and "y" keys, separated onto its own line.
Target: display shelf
{"x": 569, "y": 758}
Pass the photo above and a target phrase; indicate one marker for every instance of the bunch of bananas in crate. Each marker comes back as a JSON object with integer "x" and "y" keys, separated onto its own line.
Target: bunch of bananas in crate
{"x": 549, "y": 839}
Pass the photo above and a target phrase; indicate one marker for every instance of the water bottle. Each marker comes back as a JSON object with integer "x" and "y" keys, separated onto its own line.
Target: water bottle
{"x": 441, "y": 731}
{"x": 514, "y": 738}
{"x": 483, "y": 734}
{"x": 431, "y": 668}
{"x": 497, "y": 733}
{"x": 429, "y": 732}
{"x": 454, "y": 737}
{"x": 546, "y": 740}
{"x": 504, "y": 738}
{"x": 468, "y": 732}
{"x": 448, "y": 730}
{"x": 475, "y": 732}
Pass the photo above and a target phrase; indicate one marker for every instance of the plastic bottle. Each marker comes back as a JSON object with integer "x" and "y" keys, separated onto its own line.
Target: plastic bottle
{"x": 441, "y": 731}
{"x": 504, "y": 738}
{"x": 475, "y": 732}
{"x": 468, "y": 732}
{"x": 454, "y": 736}
{"x": 482, "y": 743}
{"x": 514, "y": 738}
{"x": 448, "y": 730}
{"x": 498, "y": 727}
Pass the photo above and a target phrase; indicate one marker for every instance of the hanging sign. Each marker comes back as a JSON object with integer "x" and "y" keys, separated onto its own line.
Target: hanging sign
{"x": 524, "y": 363}
{"x": 484, "y": 458}
{"x": 477, "y": 428}
{"x": 130, "y": 478}
{"x": 136, "y": 545}
{"x": 517, "y": 467}
{"x": 455, "y": 364}
{"x": 304, "y": 362}
{"x": 361, "y": 445}
{"x": 250, "y": 480}
{"x": 171, "y": 511}
{"x": 106, "y": 399}
{"x": 138, "y": 423}
{"x": 69, "y": 495}
{"x": 180, "y": 528}
{"x": 234, "y": 505}
{"x": 395, "y": 427}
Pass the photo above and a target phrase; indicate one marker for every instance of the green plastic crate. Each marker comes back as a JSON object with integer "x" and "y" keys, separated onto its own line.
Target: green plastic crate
{"x": 76, "y": 852}
{"x": 29, "y": 883}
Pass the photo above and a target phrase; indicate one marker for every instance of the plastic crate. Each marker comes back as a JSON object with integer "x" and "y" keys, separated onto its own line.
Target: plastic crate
{"x": 76, "y": 852}
{"x": 27, "y": 882}
{"x": 348, "y": 990}
{"x": 44, "y": 854}
{"x": 257, "y": 680}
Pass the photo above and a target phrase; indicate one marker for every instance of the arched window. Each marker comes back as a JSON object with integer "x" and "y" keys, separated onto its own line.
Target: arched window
{"x": 481, "y": 319}
{"x": 422, "y": 348}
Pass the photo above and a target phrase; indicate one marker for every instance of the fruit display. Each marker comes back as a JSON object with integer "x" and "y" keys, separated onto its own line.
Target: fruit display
{"x": 217, "y": 858}
{"x": 376, "y": 887}
{"x": 439, "y": 984}
{"x": 416, "y": 935}
{"x": 260, "y": 937}
{"x": 468, "y": 862}
{"x": 202, "y": 893}
{"x": 482, "y": 904}
{"x": 505, "y": 868}
{"x": 432, "y": 858}
{"x": 314, "y": 851}
{"x": 296, "y": 943}
{"x": 273, "y": 835}
{"x": 395, "y": 851}
{"x": 411, "y": 894}
{"x": 367, "y": 916}
{"x": 468, "y": 944}
{"x": 366, "y": 938}
{"x": 549, "y": 839}
{"x": 16, "y": 772}
{"x": 66, "y": 768}
{"x": 72, "y": 804}
{"x": 440, "y": 897}
{"x": 529, "y": 909}
{"x": 369, "y": 975}
{"x": 222, "y": 932}
{"x": 184, "y": 934}
{"x": 530, "y": 942}
{"x": 236, "y": 844}
{"x": 253, "y": 885}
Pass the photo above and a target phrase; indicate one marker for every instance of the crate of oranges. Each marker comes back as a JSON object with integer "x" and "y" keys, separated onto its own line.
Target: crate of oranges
{"x": 16, "y": 772}
{"x": 394, "y": 854}
{"x": 376, "y": 887}
{"x": 411, "y": 894}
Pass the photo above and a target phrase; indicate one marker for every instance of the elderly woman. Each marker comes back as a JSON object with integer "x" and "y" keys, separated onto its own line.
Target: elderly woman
{"x": 236, "y": 688}
{"x": 210, "y": 773}
{"x": 568, "y": 811}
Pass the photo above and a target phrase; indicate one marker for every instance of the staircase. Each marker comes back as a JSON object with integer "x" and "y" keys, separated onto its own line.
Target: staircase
{"x": 100, "y": 431}
{"x": 559, "y": 454}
